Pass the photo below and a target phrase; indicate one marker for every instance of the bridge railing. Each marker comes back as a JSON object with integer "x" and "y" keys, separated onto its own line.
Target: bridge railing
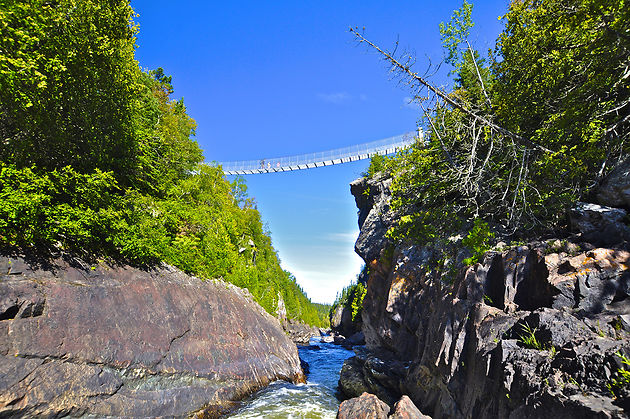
{"x": 319, "y": 159}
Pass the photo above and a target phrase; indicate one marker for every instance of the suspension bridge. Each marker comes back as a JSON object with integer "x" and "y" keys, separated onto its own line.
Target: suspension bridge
{"x": 324, "y": 158}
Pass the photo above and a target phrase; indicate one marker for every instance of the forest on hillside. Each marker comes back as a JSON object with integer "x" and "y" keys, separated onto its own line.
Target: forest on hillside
{"x": 529, "y": 127}
{"x": 97, "y": 160}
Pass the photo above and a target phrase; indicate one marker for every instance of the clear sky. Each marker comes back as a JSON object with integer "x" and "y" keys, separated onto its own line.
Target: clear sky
{"x": 277, "y": 78}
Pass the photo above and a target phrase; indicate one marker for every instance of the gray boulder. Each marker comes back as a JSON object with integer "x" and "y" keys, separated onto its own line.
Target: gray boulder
{"x": 602, "y": 226}
{"x": 615, "y": 189}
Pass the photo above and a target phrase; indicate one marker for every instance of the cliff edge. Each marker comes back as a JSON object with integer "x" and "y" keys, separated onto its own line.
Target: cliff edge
{"x": 532, "y": 331}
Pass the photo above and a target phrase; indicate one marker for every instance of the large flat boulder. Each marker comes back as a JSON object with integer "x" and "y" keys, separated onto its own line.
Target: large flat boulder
{"x": 107, "y": 340}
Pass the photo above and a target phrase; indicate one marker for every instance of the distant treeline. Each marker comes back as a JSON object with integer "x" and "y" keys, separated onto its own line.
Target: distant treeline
{"x": 97, "y": 160}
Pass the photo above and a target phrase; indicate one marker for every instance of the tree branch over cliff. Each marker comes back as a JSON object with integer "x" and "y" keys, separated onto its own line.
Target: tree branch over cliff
{"x": 414, "y": 80}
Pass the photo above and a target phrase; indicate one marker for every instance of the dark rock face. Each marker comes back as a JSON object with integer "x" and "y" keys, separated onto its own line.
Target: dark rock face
{"x": 531, "y": 332}
{"x": 341, "y": 321}
{"x": 603, "y": 226}
{"x": 342, "y": 325}
{"x": 118, "y": 341}
{"x": 366, "y": 406}
{"x": 615, "y": 189}
{"x": 374, "y": 372}
{"x": 372, "y": 198}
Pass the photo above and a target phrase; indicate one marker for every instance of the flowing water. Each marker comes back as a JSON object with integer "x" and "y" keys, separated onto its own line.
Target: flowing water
{"x": 315, "y": 399}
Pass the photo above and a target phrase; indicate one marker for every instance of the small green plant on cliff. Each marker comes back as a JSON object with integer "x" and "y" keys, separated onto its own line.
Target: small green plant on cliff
{"x": 621, "y": 382}
{"x": 528, "y": 337}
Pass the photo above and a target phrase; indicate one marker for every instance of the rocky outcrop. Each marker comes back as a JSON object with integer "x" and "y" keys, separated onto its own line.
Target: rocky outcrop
{"x": 376, "y": 372}
{"x": 341, "y": 320}
{"x": 372, "y": 198}
{"x": 346, "y": 330}
{"x": 111, "y": 341}
{"x": 299, "y": 332}
{"x": 369, "y": 406}
{"x": 532, "y": 331}
{"x": 602, "y": 226}
{"x": 405, "y": 409}
{"x": 615, "y": 189}
{"x": 366, "y": 406}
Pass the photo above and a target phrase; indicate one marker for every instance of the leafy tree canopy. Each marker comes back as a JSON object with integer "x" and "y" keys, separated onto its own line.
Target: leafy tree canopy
{"x": 526, "y": 131}
{"x": 96, "y": 159}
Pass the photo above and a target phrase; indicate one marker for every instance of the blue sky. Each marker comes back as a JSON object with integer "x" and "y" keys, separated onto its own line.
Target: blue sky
{"x": 270, "y": 79}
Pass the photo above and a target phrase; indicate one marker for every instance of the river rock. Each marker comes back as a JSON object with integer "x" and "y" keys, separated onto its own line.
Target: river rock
{"x": 366, "y": 406}
{"x": 405, "y": 409}
{"x": 614, "y": 191}
{"x": 377, "y": 373}
{"x": 300, "y": 333}
{"x": 533, "y": 331}
{"x": 110, "y": 340}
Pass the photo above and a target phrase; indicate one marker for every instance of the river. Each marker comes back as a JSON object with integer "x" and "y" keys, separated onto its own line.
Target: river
{"x": 313, "y": 400}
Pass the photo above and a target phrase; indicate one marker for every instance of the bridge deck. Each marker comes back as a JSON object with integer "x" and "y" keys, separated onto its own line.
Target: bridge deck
{"x": 321, "y": 159}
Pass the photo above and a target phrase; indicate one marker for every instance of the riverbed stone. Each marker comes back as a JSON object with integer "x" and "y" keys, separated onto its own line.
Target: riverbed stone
{"x": 405, "y": 409}
{"x": 366, "y": 406}
{"x": 114, "y": 340}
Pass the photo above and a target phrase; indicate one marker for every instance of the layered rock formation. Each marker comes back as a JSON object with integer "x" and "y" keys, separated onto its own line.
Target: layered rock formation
{"x": 111, "y": 341}
{"x": 537, "y": 330}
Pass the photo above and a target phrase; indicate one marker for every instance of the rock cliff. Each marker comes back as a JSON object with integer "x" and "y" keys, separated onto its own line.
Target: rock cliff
{"x": 537, "y": 330}
{"x": 112, "y": 341}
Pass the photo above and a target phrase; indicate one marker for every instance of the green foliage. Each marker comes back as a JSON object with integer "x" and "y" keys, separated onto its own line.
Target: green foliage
{"x": 96, "y": 159}
{"x": 560, "y": 82}
{"x": 357, "y": 301}
{"x": 620, "y": 384}
{"x": 528, "y": 337}
{"x": 60, "y": 208}
{"x": 351, "y": 297}
{"x": 68, "y": 85}
{"x": 455, "y": 32}
{"x": 166, "y": 152}
{"x": 323, "y": 313}
{"x": 477, "y": 241}
{"x": 378, "y": 164}
{"x": 563, "y": 83}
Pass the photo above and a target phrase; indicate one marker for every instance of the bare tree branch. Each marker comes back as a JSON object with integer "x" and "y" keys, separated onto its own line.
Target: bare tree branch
{"x": 406, "y": 71}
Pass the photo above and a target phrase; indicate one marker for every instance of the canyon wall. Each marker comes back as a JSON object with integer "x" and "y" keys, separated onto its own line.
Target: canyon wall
{"x": 532, "y": 331}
